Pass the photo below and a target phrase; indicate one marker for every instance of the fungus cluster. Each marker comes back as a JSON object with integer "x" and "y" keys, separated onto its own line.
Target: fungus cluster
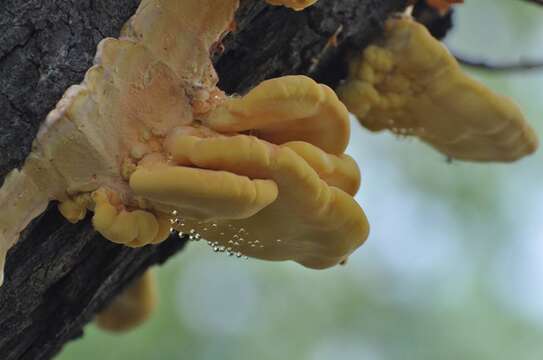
{"x": 132, "y": 307}
{"x": 149, "y": 143}
{"x": 410, "y": 84}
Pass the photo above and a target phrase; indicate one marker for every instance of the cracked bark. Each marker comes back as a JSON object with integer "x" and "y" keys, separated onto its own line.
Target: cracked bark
{"x": 59, "y": 274}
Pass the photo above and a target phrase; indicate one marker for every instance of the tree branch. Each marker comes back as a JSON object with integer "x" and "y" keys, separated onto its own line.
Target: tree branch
{"x": 537, "y": 2}
{"x": 512, "y": 66}
{"x": 60, "y": 274}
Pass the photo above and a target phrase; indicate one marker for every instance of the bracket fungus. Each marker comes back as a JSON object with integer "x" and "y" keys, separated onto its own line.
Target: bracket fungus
{"x": 443, "y": 5}
{"x": 132, "y": 307}
{"x": 293, "y": 4}
{"x": 410, "y": 84}
{"x": 149, "y": 143}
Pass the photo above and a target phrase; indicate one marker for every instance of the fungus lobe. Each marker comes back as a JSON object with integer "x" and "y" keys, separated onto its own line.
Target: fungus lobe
{"x": 410, "y": 84}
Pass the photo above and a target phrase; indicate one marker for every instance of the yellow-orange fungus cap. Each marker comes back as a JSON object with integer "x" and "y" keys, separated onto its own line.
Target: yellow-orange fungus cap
{"x": 293, "y": 4}
{"x": 410, "y": 84}
{"x": 132, "y": 307}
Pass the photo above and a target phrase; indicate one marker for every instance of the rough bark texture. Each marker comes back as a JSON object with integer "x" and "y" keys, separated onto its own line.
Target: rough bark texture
{"x": 59, "y": 274}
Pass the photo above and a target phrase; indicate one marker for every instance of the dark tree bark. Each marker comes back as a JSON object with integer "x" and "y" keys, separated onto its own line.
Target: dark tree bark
{"x": 59, "y": 274}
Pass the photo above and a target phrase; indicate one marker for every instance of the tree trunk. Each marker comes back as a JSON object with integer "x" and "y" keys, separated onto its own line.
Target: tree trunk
{"x": 60, "y": 274}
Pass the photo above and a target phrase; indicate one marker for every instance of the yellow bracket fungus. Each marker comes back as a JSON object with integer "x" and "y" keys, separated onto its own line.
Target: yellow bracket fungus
{"x": 410, "y": 84}
{"x": 132, "y": 307}
{"x": 293, "y": 4}
{"x": 148, "y": 143}
{"x": 443, "y": 5}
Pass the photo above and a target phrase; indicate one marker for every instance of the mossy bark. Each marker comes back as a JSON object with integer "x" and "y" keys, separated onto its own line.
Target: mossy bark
{"x": 60, "y": 274}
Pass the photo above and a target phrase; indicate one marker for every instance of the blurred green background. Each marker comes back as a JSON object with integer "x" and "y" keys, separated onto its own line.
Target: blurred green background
{"x": 452, "y": 268}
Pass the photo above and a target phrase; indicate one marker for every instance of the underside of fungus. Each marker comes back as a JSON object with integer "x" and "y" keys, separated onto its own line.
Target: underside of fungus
{"x": 410, "y": 84}
{"x": 149, "y": 143}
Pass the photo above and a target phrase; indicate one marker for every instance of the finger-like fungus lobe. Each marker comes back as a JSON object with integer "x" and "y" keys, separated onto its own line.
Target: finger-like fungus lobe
{"x": 410, "y": 84}
{"x": 149, "y": 143}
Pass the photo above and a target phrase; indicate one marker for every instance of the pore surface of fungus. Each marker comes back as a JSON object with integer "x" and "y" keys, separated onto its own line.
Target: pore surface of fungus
{"x": 148, "y": 142}
{"x": 410, "y": 84}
